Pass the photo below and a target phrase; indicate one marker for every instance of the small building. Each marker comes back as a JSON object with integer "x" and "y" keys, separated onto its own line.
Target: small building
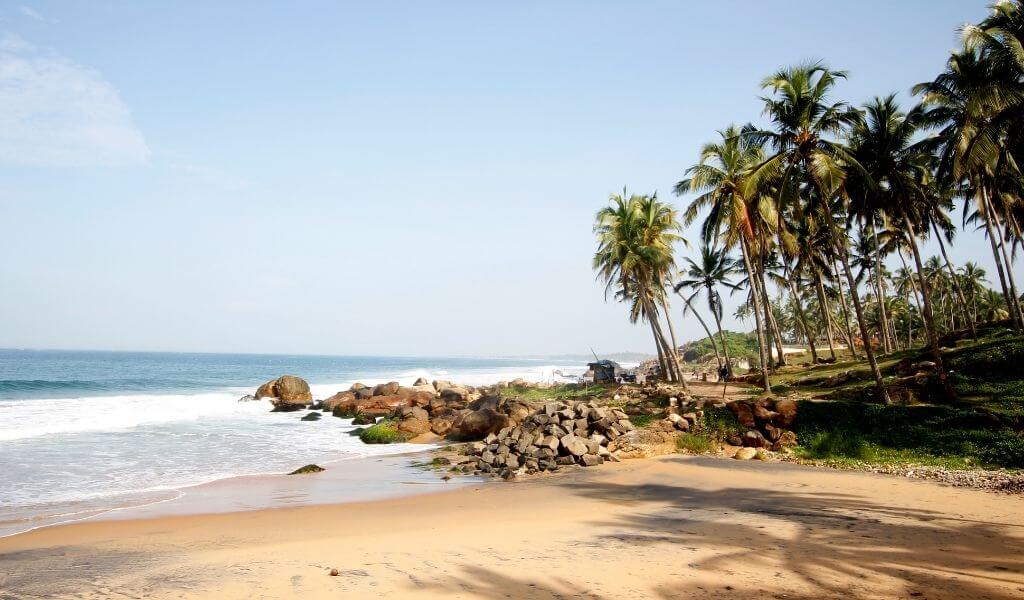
{"x": 606, "y": 371}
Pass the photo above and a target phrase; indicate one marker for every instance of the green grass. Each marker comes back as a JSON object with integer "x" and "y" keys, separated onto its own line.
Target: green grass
{"x": 925, "y": 434}
{"x": 566, "y": 391}
{"x": 695, "y": 443}
{"x": 385, "y": 432}
{"x": 643, "y": 420}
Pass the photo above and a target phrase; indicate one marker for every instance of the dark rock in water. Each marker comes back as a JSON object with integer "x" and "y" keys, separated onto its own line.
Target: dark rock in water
{"x": 247, "y": 398}
{"x": 307, "y": 469}
{"x": 313, "y": 416}
{"x": 363, "y": 419}
{"x": 355, "y": 432}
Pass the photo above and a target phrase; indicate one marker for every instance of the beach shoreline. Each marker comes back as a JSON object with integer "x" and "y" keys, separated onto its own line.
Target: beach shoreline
{"x": 666, "y": 527}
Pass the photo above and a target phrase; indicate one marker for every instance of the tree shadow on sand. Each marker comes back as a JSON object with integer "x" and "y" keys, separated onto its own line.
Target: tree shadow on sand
{"x": 819, "y": 545}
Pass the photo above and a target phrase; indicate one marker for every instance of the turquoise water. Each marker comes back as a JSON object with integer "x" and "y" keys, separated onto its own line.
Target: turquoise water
{"x": 81, "y": 432}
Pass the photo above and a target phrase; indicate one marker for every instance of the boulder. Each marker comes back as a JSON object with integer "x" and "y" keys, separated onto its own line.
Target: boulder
{"x": 643, "y": 443}
{"x": 286, "y": 393}
{"x": 745, "y": 454}
{"x": 341, "y": 398}
{"x": 386, "y": 389}
{"x": 455, "y": 394}
{"x": 363, "y": 393}
{"x": 247, "y": 398}
{"x": 363, "y": 418}
{"x": 313, "y": 416}
{"x": 421, "y": 381}
{"x": 785, "y": 413}
{"x": 356, "y": 387}
{"x": 441, "y": 385}
{"x": 754, "y": 439}
{"x": 413, "y": 420}
{"x": 475, "y": 425}
{"x": 743, "y": 412}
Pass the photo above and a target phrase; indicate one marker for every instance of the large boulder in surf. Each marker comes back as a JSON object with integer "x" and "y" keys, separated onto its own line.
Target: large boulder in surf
{"x": 413, "y": 420}
{"x": 287, "y": 392}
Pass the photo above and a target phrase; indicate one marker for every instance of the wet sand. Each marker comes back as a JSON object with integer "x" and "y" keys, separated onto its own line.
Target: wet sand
{"x": 674, "y": 527}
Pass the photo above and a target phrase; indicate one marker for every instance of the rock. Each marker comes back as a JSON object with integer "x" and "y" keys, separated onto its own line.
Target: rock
{"x": 346, "y": 398}
{"x": 441, "y": 422}
{"x": 362, "y": 418}
{"x": 591, "y": 460}
{"x": 308, "y": 469}
{"x": 573, "y": 445}
{"x": 335, "y": 573}
{"x": 363, "y": 393}
{"x": 745, "y": 454}
{"x": 743, "y": 412}
{"x": 475, "y": 425}
{"x": 440, "y": 385}
{"x": 786, "y": 440}
{"x": 455, "y": 394}
{"x": 785, "y": 410}
{"x": 313, "y": 416}
{"x": 761, "y": 413}
{"x": 678, "y": 422}
{"x": 760, "y": 454}
{"x": 286, "y": 393}
{"x": 421, "y": 381}
{"x": 414, "y": 420}
{"x": 386, "y": 389}
{"x": 356, "y": 387}
{"x": 247, "y": 398}
{"x": 754, "y": 439}
{"x": 643, "y": 443}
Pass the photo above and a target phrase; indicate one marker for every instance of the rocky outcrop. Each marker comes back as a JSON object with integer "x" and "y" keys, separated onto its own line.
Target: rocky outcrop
{"x": 767, "y": 421}
{"x": 561, "y": 433}
{"x": 413, "y": 420}
{"x": 286, "y": 393}
{"x": 386, "y": 389}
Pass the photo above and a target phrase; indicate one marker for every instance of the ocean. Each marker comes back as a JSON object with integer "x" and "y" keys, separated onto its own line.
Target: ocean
{"x": 82, "y": 433}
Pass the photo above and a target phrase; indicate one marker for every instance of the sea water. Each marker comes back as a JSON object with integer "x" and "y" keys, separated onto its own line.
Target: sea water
{"x": 82, "y": 433}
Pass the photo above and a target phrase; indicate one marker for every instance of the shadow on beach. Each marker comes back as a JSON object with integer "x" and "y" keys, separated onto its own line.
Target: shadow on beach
{"x": 817, "y": 545}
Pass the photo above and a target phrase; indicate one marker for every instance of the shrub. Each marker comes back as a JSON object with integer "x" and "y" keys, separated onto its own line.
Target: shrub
{"x": 719, "y": 424}
{"x": 1007, "y": 450}
{"x": 695, "y": 443}
{"x": 834, "y": 444}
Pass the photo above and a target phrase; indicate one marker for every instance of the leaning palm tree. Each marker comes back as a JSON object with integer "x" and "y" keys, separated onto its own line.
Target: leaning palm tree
{"x": 721, "y": 180}
{"x": 714, "y": 270}
{"x": 636, "y": 238}
{"x": 804, "y": 125}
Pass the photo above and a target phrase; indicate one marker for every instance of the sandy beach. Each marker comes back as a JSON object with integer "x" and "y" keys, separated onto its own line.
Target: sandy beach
{"x": 673, "y": 527}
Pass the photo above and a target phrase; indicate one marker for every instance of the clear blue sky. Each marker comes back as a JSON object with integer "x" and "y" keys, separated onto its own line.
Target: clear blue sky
{"x": 387, "y": 178}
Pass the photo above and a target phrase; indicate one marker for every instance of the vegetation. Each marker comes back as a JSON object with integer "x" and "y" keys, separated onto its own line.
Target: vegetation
{"x": 385, "y": 432}
{"x": 817, "y": 204}
{"x": 566, "y": 391}
{"x": 737, "y": 346}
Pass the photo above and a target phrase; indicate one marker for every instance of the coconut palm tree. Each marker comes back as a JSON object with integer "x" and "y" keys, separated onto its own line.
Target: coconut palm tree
{"x": 891, "y": 178}
{"x": 714, "y": 269}
{"x": 636, "y": 238}
{"x": 720, "y": 179}
{"x": 813, "y": 164}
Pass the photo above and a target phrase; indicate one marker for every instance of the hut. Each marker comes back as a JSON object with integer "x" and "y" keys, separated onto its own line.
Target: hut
{"x": 606, "y": 371}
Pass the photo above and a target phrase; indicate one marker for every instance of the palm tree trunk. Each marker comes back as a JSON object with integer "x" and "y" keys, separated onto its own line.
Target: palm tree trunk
{"x": 803, "y": 318}
{"x": 672, "y": 336}
{"x": 773, "y": 325}
{"x": 725, "y": 347}
{"x": 762, "y": 347}
{"x": 883, "y": 395}
{"x": 986, "y": 217}
{"x": 884, "y": 324}
{"x": 1008, "y": 261}
{"x": 711, "y": 336}
{"x": 846, "y": 313}
{"x": 826, "y": 314}
{"x": 929, "y": 320}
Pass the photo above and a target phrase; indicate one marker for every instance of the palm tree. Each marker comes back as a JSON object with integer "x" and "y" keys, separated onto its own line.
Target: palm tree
{"x": 962, "y": 102}
{"x": 891, "y": 178}
{"x": 813, "y": 165}
{"x": 714, "y": 269}
{"x": 636, "y": 237}
{"x": 720, "y": 177}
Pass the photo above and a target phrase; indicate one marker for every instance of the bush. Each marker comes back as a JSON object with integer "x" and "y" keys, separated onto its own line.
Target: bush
{"x": 1007, "y": 450}
{"x": 720, "y": 424}
{"x": 384, "y": 432}
{"x": 999, "y": 359}
{"x": 695, "y": 443}
{"x": 834, "y": 444}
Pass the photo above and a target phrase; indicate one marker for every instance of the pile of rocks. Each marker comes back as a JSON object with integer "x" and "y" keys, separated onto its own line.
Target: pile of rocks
{"x": 559, "y": 434}
{"x": 767, "y": 421}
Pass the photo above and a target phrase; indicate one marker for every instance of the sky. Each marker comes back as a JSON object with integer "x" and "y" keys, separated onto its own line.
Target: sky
{"x": 381, "y": 178}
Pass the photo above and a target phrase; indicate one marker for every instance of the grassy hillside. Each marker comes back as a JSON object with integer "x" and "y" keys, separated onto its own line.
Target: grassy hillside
{"x": 741, "y": 345}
